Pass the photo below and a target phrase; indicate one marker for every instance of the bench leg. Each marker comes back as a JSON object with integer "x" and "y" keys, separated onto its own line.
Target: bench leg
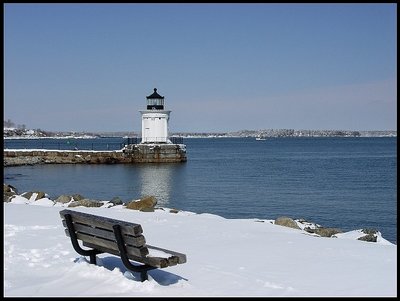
{"x": 143, "y": 276}
{"x": 92, "y": 253}
{"x": 142, "y": 269}
{"x": 92, "y": 258}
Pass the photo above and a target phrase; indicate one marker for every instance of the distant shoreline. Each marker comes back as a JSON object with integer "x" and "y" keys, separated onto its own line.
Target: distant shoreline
{"x": 211, "y": 136}
{"x": 12, "y": 133}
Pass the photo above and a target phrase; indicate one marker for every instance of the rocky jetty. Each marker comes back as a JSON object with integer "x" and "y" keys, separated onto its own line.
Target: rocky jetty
{"x": 148, "y": 204}
{"x": 314, "y": 229}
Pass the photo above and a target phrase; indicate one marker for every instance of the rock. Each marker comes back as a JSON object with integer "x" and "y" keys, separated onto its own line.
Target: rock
{"x": 369, "y": 231}
{"x": 287, "y": 222}
{"x": 10, "y": 188}
{"x": 28, "y": 195}
{"x": 372, "y": 235}
{"x": 8, "y": 192}
{"x": 77, "y": 197}
{"x": 368, "y": 237}
{"x": 324, "y": 232}
{"x": 86, "y": 203}
{"x": 173, "y": 210}
{"x": 145, "y": 209}
{"x": 63, "y": 199}
{"x": 116, "y": 201}
{"x": 143, "y": 204}
{"x": 307, "y": 224}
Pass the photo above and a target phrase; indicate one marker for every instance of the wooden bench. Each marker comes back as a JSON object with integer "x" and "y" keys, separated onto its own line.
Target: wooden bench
{"x": 124, "y": 239}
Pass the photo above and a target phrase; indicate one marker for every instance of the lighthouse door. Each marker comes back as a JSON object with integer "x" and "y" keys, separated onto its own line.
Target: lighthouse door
{"x": 147, "y": 134}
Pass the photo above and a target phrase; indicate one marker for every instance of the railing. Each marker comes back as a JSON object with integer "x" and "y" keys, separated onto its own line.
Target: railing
{"x": 133, "y": 140}
{"x": 173, "y": 139}
{"x": 98, "y": 144}
{"x": 90, "y": 144}
{"x": 176, "y": 140}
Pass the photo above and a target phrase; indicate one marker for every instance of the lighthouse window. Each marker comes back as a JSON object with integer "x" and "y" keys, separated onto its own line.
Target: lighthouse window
{"x": 151, "y": 102}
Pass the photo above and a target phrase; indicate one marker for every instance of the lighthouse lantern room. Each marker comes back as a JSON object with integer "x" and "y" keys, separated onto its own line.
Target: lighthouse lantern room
{"x": 155, "y": 120}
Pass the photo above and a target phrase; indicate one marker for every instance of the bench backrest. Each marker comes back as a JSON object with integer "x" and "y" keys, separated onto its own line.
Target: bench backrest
{"x": 96, "y": 231}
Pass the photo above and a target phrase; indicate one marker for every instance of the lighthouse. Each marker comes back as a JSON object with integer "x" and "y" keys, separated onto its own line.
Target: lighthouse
{"x": 155, "y": 120}
{"x": 155, "y": 145}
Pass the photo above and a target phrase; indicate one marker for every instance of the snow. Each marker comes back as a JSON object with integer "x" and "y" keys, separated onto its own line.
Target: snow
{"x": 225, "y": 257}
{"x": 58, "y": 150}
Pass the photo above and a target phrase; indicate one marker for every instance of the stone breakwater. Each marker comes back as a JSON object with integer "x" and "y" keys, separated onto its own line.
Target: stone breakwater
{"x": 10, "y": 194}
{"x": 135, "y": 153}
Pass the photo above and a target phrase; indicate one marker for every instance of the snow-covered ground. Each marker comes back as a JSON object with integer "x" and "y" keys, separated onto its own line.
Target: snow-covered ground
{"x": 225, "y": 257}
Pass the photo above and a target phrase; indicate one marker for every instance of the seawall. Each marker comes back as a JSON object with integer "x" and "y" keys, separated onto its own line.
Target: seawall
{"x": 131, "y": 154}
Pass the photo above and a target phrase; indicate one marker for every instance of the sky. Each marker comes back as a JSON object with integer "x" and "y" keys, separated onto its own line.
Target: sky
{"x": 220, "y": 67}
{"x": 270, "y": 260}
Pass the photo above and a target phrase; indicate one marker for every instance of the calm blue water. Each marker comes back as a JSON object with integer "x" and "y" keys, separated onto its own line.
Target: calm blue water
{"x": 348, "y": 183}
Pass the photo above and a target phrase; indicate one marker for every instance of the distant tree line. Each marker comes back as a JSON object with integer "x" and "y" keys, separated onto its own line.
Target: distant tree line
{"x": 10, "y": 124}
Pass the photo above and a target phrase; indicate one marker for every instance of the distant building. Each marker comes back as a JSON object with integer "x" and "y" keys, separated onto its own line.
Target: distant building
{"x": 155, "y": 120}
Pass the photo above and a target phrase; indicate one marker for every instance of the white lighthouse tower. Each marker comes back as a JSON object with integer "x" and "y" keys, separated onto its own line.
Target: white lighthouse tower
{"x": 155, "y": 120}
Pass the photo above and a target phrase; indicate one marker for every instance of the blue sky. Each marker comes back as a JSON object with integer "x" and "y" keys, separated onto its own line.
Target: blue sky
{"x": 221, "y": 67}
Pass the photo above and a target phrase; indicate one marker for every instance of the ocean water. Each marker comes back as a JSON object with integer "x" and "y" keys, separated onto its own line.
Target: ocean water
{"x": 347, "y": 183}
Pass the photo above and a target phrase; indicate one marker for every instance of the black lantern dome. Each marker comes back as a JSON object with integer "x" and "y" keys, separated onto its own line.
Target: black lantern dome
{"x": 155, "y": 101}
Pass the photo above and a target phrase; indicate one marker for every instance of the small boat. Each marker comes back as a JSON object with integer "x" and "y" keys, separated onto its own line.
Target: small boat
{"x": 260, "y": 138}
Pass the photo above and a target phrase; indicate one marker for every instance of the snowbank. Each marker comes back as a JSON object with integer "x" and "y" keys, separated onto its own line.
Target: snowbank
{"x": 225, "y": 257}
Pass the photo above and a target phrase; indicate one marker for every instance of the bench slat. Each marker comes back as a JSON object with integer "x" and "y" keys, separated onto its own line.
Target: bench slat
{"x": 111, "y": 245}
{"x": 158, "y": 262}
{"x": 181, "y": 257}
{"x": 102, "y": 222}
{"x": 136, "y": 241}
